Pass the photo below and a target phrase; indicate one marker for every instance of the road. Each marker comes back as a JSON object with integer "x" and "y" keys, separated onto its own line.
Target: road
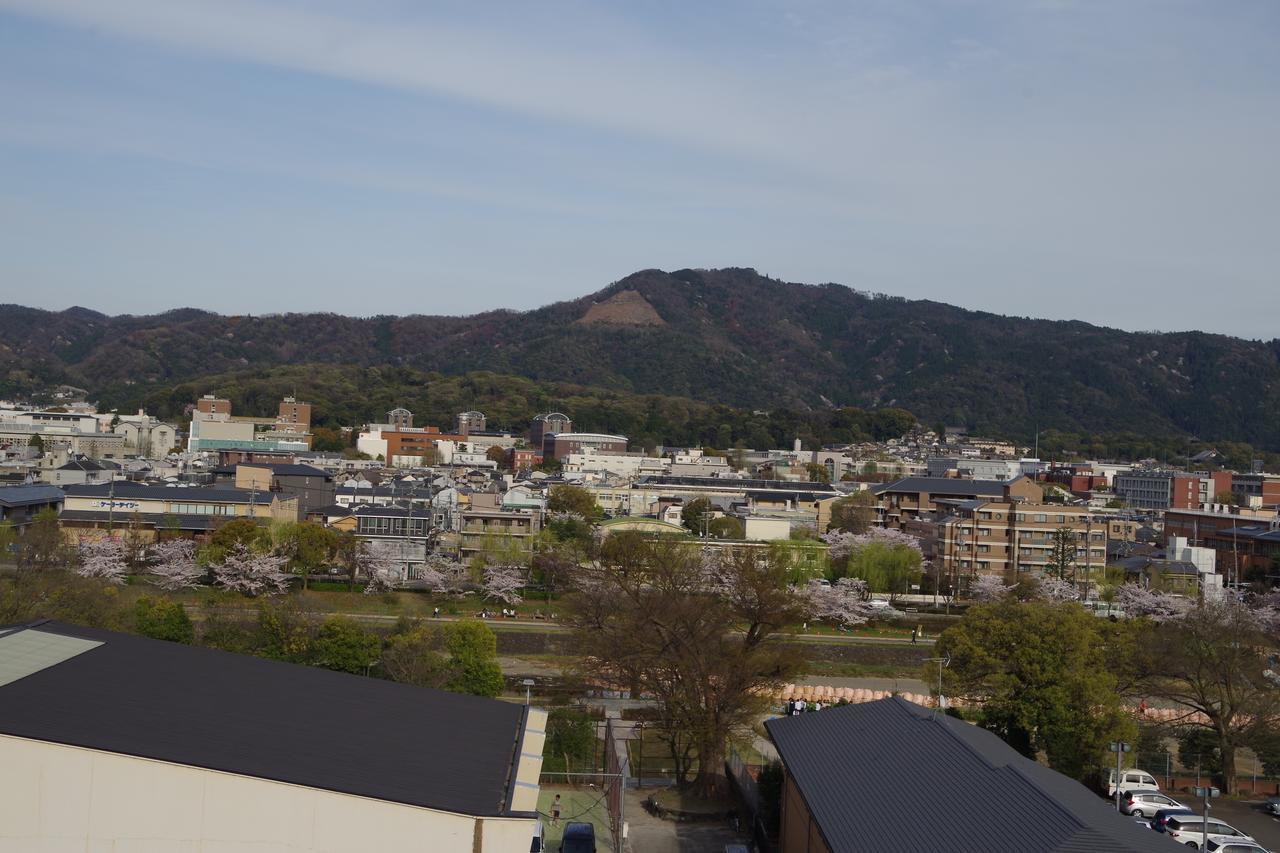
{"x": 1246, "y": 817}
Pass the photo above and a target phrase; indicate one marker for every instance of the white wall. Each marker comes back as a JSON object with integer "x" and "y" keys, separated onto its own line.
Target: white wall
{"x": 61, "y": 799}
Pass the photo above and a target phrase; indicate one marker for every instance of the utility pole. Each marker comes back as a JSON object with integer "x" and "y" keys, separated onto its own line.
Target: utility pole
{"x": 1119, "y": 747}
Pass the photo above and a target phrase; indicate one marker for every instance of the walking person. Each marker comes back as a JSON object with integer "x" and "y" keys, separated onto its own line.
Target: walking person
{"x": 555, "y": 811}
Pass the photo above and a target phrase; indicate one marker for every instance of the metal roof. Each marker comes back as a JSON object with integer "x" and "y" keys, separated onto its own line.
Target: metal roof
{"x": 124, "y": 490}
{"x": 893, "y": 775}
{"x": 946, "y": 486}
{"x": 271, "y": 720}
{"x": 30, "y": 495}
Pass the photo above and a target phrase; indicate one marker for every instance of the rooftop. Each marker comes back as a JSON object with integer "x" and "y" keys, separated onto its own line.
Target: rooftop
{"x": 853, "y": 763}
{"x": 11, "y": 496}
{"x": 124, "y": 490}
{"x": 238, "y": 714}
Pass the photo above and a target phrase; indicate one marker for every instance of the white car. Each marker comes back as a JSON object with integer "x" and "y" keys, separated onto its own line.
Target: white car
{"x": 1234, "y": 847}
{"x": 1189, "y": 829}
{"x": 1131, "y": 780}
{"x": 1146, "y": 803}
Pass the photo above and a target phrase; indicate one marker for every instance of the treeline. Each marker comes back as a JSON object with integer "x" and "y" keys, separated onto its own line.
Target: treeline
{"x": 348, "y": 396}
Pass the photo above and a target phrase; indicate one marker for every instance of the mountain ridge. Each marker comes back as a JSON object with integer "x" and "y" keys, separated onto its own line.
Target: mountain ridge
{"x": 727, "y": 336}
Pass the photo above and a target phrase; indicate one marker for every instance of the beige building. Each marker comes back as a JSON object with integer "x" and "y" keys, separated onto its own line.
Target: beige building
{"x": 189, "y": 510}
{"x": 158, "y": 746}
{"x": 486, "y": 526}
{"x": 1011, "y": 538}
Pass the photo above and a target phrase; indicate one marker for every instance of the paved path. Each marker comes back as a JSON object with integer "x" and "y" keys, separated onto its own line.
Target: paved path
{"x": 649, "y": 834}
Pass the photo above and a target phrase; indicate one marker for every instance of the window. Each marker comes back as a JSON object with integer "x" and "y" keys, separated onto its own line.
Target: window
{"x": 1040, "y": 518}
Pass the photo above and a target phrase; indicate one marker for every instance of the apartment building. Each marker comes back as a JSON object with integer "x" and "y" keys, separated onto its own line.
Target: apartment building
{"x": 1170, "y": 489}
{"x": 905, "y": 500}
{"x": 1008, "y": 538}
{"x": 1198, "y": 525}
{"x": 486, "y": 526}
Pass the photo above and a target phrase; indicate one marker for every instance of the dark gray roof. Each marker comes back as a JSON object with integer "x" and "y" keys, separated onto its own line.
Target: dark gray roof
{"x": 946, "y": 486}
{"x": 290, "y": 469}
{"x": 896, "y": 776}
{"x": 81, "y": 465}
{"x": 789, "y": 486}
{"x": 29, "y": 495}
{"x": 125, "y": 489}
{"x": 271, "y": 720}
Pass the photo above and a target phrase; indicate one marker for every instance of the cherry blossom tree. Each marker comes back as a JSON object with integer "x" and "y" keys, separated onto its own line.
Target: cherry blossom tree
{"x": 989, "y": 588}
{"x": 1137, "y": 600}
{"x": 1052, "y": 588}
{"x": 442, "y": 575}
{"x": 252, "y": 574}
{"x": 844, "y": 603}
{"x": 503, "y": 583}
{"x": 175, "y": 565}
{"x": 103, "y": 558}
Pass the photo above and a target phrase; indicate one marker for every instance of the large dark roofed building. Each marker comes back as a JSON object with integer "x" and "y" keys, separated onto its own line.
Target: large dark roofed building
{"x": 265, "y": 720}
{"x": 891, "y": 775}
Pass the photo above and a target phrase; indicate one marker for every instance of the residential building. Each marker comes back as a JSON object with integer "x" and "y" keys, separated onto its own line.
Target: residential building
{"x": 311, "y": 486}
{"x": 401, "y": 535}
{"x": 695, "y": 463}
{"x": 213, "y": 428}
{"x": 1157, "y": 489}
{"x": 487, "y": 527}
{"x": 80, "y": 471}
{"x": 146, "y": 436}
{"x": 19, "y": 504}
{"x": 973, "y": 469}
{"x": 545, "y": 425}
{"x": 1008, "y": 538}
{"x": 152, "y": 508}
{"x": 603, "y": 463}
{"x": 465, "y": 423}
{"x": 1248, "y": 551}
{"x": 855, "y": 776}
{"x": 561, "y": 445}
{"x": 169, "y": 747}
{"x": 912, "y": 497}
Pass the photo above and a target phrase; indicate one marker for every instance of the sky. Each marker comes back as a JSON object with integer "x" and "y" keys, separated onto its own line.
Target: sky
{"x": 1117, "y": 162}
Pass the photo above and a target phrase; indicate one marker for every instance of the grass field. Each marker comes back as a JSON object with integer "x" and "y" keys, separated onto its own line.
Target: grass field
{"x": 578, "y": 803}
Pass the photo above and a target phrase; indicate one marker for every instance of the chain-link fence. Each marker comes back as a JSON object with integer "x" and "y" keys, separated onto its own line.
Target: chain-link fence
{"x": 1178, "y": 772}
{"x": 566, "y": 798}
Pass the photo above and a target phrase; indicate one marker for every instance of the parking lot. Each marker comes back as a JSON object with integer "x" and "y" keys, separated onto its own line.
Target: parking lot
{"x": 1248, "y": 817}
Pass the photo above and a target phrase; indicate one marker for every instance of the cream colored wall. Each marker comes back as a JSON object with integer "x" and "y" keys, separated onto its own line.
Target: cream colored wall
{"x": 60, "y": 799}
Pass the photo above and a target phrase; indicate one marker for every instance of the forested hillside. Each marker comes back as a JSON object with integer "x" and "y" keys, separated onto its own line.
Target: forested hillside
{"x": 729, "y": 337}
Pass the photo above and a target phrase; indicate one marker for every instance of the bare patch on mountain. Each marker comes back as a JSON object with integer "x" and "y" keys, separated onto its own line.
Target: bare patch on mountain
{"x": 624, "y": 308}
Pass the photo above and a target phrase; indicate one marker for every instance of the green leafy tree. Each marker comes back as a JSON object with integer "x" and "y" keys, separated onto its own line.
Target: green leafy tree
{"x": 817, "y": 473}
{"x": 283, "y": 632}
{"x": 853, "y": 514}
{"x": 343, "y": 645}
{"x": 43, "y": 546}
{"x": 571, "y": 741}
{"x": 695, "y": 514}
{"x": 496, "y": 455}
{"x": 226, "y": 537}
{"x": 410, "y": 657}
{"x": 160, "y": 619}
{"x": 1039, "y": 672}
{"x": 566, "y": 497}
{"x": 1061, "y": 559}
{"x": 473, "y": 658}
{"x": 726, "y": 527}
{"x": 1198, "y": 749}
{"x": 309, "y": 546}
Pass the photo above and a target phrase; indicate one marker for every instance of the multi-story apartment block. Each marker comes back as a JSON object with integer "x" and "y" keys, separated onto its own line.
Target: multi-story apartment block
{"x": 1170, "y": 489}
{"x": 910, "y": 498}
{"x": 488, "y": 528}
{"x": 1010, "y": 538}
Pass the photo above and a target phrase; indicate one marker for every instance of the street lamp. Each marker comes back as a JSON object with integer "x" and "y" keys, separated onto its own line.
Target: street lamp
{"x": 640, "y": 758}
{"x": 1119, "y": 747}
{"x": 528, "y": 685}
{"x": 1207, "y": 793}
{"x": 942, "y": 663}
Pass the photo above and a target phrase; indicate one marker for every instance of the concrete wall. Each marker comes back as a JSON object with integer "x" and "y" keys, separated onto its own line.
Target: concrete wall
{"x": 60, "y": 799}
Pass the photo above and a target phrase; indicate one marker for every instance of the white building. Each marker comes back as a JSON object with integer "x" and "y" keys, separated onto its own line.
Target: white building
{"x": 603, "y": 464}
{"x": 159, "y": 746}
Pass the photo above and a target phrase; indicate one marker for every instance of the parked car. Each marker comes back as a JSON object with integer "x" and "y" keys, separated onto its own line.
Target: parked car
{"x": 1131, "y": 780}
{"x": 1144, "y": 803}
{"x": 1190, "y": 829}
{"x": 1162, "y": 817}
{"x": 578, "y": 838}
{"x": 1272, "y": 806}
{"x": 1234, "y": 847}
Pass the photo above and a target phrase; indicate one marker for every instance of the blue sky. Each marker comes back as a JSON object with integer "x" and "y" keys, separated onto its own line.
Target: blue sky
{"x": 1114, "y": 162}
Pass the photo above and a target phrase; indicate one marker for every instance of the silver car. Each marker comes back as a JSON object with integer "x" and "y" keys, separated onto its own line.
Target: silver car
{"x": 1190, "y": 829}
{"x": 1146, "y": 803}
